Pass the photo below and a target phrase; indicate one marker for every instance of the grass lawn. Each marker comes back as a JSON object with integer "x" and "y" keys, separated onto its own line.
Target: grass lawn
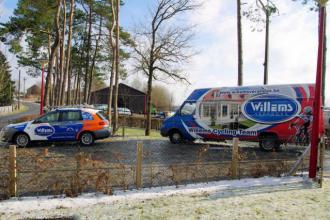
{"x": 247, "y": 123}
{"x": 138, "y": 132}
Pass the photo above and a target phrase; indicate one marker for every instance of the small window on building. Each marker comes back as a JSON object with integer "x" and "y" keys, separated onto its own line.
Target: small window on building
{"x": 209, "y": 110}
{"x": 234, "y": 110}
{"x": 224, "y": 111}
{"x": 206, "y": 110}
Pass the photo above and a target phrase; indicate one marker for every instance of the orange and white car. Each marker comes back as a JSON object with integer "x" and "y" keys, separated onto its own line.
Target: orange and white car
{"x": 64, "y": 124}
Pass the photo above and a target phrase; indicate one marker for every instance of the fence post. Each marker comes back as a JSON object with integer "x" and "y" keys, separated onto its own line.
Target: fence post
{"x": 123, "y": 131}
{"x": 138, "y": 170}
{"x": 321, "y": 161}
{"x": 234, "y": 158}
{"x": 12, "y": 171}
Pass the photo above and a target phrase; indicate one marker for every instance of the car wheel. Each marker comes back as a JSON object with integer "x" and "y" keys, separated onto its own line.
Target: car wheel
{"x": 176, "y": 137}
{"x": 22, "y": 140}
{"x": 269, "y": 143}
{"x": 86, "y": 139}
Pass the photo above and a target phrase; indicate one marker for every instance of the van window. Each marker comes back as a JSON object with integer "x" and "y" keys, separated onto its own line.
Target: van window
{"x": 188, "y": 108}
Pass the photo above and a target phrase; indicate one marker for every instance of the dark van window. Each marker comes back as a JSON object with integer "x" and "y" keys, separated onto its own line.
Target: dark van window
{"x": 71, "y": 116}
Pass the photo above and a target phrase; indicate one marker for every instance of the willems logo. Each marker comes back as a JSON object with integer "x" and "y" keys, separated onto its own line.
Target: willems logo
{"x": 271, "y": 109}
{"x": 44, "y": 131}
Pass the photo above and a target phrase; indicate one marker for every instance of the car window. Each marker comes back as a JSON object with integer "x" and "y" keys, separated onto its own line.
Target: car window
{"x": 86, "y": 116}
{"x": 188, "y": 108}
{"x": 71, "y": 116}
{"x": 49, "y": 117}
{"x": 102, "y": 117}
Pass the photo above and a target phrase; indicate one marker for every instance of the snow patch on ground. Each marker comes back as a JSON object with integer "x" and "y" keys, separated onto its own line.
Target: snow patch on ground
{"x": 27, "y": 204}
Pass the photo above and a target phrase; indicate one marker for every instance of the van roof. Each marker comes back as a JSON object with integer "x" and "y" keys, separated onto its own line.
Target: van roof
{"x": 197, "y": 93}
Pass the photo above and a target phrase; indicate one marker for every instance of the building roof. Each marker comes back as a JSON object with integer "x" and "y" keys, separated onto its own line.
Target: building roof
{"x": 34, "y": 86}
{"x": 121, "y": 84}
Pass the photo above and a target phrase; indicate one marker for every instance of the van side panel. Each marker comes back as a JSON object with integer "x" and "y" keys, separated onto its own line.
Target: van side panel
{"x": 247, "y": 112}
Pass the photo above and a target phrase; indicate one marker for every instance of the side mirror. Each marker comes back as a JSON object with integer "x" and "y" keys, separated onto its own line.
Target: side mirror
{"x": 36, "y": 121}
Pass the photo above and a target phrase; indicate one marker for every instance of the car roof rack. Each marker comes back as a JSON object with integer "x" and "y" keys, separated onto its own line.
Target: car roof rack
{"x": 50, "y": 108}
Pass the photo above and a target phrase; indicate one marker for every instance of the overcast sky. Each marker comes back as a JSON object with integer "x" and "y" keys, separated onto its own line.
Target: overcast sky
{"x": 293, "y": 45}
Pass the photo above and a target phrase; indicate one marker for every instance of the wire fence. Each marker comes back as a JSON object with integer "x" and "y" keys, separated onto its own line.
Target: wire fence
{"x": 43, "y": 171}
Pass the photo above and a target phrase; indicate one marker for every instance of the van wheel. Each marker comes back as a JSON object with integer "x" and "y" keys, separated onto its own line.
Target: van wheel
{"x": 86, "y": 139}
{"x": 22, "y": 140}
{"x": 175, "y": 137}
{"x": 269, "y": 142}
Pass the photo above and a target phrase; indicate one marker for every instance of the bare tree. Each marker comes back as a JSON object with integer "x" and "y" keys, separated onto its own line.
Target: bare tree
{"x": 260, "y": 14}
{"x": 162, "y": 48}
{"x": 268, "y": 8}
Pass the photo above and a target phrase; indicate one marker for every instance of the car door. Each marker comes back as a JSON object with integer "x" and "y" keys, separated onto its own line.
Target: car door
{"x": 44, "y": 128}
{"x": 69, "y": 125}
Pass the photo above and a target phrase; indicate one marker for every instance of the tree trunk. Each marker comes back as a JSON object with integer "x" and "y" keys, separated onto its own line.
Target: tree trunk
{"x": 239, "y": 44}
{"x": 111, "y": 44}
{"x": 62, "y": 57}
{"x": 87, "y": 80}
{"x": 52, "y": 54}
{"x": 266, "y": 50}
{"x": 54, "y": 89}
{"x": 94, "y": 60}
{"x": 58, "y": 77}
{"x": 68, "y": 55}
{"x": 149, "y": 92}
{"x": 115, "y": 124}
{"x": 51, "y": 91}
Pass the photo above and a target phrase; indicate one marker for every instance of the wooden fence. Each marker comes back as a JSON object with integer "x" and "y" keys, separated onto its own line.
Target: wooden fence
{"x": 6, "y": 109}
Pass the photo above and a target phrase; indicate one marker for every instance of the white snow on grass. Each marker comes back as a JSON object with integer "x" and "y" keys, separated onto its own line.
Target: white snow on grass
{"x": 27, "y": 204}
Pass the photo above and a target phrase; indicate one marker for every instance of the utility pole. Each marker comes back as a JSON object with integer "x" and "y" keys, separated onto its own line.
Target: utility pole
{"x": 316, "y": 130}
{"x": 19, "y": 88}
{"x": 24, "y": 79}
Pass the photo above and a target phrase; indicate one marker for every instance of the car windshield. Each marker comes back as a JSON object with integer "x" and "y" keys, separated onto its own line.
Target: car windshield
{"x": 188, "y": 108}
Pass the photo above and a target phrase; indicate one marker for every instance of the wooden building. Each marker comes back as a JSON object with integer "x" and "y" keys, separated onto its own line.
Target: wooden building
{"x": 33, "y": 91}
{"x": 128, "y": 97}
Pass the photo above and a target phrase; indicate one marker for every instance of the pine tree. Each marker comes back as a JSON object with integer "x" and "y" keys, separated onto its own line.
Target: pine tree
{"x": 6, "y": 84}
